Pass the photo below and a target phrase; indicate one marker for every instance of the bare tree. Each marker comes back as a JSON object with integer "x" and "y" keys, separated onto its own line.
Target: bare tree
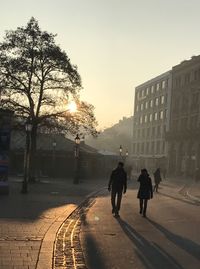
{"x": 37, "y": 81}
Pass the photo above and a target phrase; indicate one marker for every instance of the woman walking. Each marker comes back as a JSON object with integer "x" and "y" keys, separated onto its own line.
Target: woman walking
{"x": 145, "y": 191}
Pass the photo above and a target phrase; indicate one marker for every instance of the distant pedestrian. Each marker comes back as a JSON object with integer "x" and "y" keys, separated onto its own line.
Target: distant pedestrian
{"x": 157, "y": 179}
{"x": 145, "y": 191}
{"x": 117, "y": 185}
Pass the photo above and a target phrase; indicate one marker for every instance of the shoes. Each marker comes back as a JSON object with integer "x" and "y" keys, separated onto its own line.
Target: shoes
{"x": 117, "y": 215}
{"x": 113, "y": 211}
{"x": 140, "y": 211}
{"x": 144, "y": 215}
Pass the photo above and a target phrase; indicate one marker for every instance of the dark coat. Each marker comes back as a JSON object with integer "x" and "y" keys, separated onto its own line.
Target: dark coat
{"x": 118, "y": 180}
{"x": 145, "y": 190}
{"x": 157, "y": 176}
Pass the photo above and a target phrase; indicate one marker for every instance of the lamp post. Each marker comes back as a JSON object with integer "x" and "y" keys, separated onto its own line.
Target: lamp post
{"x": 53, "y": 157}
{"x": 120, "y": 151}
{"x": 77, "y": 155}
{"x": 126, "y": 156}
{"x": 28, "y": 128}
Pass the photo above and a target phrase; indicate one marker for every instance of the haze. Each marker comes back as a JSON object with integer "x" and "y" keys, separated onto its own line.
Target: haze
{"x": 116, "y": 45}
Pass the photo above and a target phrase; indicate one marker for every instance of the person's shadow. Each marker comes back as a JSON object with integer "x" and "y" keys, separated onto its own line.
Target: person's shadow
{"x": 150, "y": 253}
{"x": 186, "y": 244}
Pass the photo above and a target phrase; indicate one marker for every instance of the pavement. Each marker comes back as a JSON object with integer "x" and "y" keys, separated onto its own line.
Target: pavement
{"x": 168, "y": 238}
{"x": 29, "y": 222}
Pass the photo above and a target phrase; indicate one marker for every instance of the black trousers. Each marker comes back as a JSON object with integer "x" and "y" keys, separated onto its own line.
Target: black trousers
{"x": 116, "y": 194}
{"x": 143, "y": 206}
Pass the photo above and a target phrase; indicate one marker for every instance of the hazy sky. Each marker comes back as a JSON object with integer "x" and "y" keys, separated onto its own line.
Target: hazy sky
{"x": 116, "y": 44}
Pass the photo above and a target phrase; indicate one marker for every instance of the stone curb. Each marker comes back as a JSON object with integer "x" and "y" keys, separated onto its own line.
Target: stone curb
{"x": 45, "y": 258}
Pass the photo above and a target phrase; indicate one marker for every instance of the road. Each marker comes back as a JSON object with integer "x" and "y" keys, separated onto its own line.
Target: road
{"x": 169, "y": 238}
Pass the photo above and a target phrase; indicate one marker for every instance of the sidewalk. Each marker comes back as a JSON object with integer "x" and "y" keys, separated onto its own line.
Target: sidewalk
{"x": 29, "y": 222}
{"x": 193, "y": 188}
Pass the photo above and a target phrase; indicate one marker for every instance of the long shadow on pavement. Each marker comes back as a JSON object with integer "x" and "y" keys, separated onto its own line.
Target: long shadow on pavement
{"x": 152, "y": 255}
{"x": 186, "y": 244}
{"x": 93, "y": 257}
{"x": 41, "y": 198}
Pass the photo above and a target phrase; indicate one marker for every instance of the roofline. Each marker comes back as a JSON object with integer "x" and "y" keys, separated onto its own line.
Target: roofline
{"x": 167, "y": 73}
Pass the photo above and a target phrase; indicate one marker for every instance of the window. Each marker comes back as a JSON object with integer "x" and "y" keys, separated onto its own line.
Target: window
{"x": 161, "y": 115}
{"x": 156, "y": 101}
{"x": 162, "y": 99}
{"x": 141, "y": 107}
{"x": 138, "y": 133}
{"x": 153, "y": 132}
{"x": 137, "y": 108}
{"x": 158, "y": 147}
{"x": 143, "y": 93}
{"x": 152, "y": 89}
{"x": 147, "y": 90}
{"x": 157, "y": 87}
{"x": 163, "y": 147}
{"x": 193, "y": 122}
{"x": 150, "y": 117}
{"x": 141, "y": 120}
{"x": 143, "y": 133}
{"x": 155, "y": 116}
{"x": 158, "y": 131}
{"x": 138, "y": 148}
{"x": 197, "y": 74}
{"x": 163, "y": 84}
{"x": 146, "y": 105}
{"x": 187, "y": 78}
{"x": 177, "y": 81}
{"x": 151, "y": 103}
{"x": 145, "y": 118}
{"x": 195, "y": 101}
{"x": 152, "y": 147}
{"x": 147, "y": 148}
{"x": 148, "y": 132}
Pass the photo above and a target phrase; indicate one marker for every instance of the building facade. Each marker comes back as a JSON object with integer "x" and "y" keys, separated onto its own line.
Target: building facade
{"x": 183, "y": 135}
{"x": 151, "y": 122}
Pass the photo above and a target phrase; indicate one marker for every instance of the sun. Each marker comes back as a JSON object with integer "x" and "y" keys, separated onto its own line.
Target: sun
{"x": 72, "y": 107}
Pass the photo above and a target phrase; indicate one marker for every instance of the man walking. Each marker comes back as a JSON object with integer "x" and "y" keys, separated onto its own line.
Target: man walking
{"x": 117, "y": 185}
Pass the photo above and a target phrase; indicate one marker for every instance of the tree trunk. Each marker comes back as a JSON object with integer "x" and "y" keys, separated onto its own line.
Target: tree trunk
{"x": 33, "y": 150}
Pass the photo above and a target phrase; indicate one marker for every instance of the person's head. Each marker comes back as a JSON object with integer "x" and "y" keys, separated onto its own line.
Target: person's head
{"x": 144, "y": 171}
{"x": 120, "y": 165}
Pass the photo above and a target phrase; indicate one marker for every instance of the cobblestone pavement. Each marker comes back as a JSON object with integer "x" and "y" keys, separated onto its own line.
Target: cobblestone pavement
{"x": 68, "y": 251}
{"x": 28, "y": 223}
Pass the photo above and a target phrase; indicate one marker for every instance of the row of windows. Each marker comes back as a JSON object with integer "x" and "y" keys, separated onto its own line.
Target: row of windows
{"x": 187, "y": 78}
{"x": 152, "y": 117}
{"x": 152, "y": 103}
{"x": 153, "y": 132}
{"x": 185, "y": 123}
{"x": 152, "y": 89}
{"x": 184, "y": 103}
{"x": 149, "y": 147}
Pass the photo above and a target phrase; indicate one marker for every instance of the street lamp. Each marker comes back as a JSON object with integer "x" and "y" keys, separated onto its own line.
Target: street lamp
{"x": 28, "y": 129}
{"x": 77, "y": 155}
{"x": 120, "y": 150}
{"x": 53, "y": 156}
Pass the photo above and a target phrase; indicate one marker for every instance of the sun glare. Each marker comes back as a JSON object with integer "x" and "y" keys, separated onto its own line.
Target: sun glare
{"x": 72, "y": 107}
